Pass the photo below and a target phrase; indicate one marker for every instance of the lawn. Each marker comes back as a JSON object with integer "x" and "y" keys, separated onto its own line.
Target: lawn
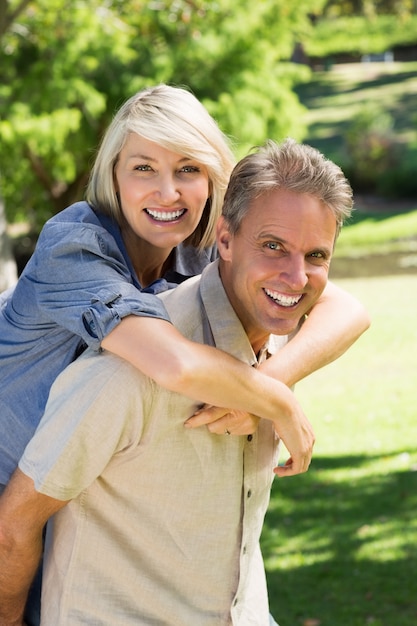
{"x": 378, "y": 233}
{"x": 334, "y": 98}
{"x": 340, "y": 542}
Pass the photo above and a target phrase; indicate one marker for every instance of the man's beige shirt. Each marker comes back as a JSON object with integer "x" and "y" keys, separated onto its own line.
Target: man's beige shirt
{"x": 164, "y": 523}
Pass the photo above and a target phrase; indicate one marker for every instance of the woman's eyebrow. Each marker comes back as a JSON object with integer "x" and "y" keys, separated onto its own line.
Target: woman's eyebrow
{"x": 146, "y": 157}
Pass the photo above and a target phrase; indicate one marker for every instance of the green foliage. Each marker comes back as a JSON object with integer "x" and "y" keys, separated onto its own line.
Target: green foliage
{"x": 377, "y": 233}
{"x": 363, "y": 117}
{"x": 250, "y": 114}
{"x": 367, "y": 8}
{"x": 371, "y": 146}
{"x": 66, "y": 67}
{"x": 399, "y": 181}
{"x": 360, "y": 35}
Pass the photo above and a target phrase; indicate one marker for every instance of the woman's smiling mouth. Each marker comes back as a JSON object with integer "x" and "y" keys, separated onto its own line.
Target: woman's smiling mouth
{"x": 165, "y": 216}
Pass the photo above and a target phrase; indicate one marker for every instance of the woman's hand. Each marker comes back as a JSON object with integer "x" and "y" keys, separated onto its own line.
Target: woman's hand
{"x": 221, "y": 421}
{"x": 295, "y": 431}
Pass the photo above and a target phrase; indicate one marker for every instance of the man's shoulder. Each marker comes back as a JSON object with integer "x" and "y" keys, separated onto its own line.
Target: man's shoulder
{"x": 183, "y": 303}
{"x": 98, "y": 369}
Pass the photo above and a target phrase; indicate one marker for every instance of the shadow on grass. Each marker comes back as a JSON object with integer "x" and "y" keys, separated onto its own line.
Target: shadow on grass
{"x": 334, "y": 84}
{"x": 368, "y": 593}
{"x": 341, "y": 547}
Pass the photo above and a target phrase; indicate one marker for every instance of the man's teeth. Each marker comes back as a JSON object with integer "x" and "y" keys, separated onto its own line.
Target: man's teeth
{"x": 281, "y": 299}
{"x": 165, "y": 216}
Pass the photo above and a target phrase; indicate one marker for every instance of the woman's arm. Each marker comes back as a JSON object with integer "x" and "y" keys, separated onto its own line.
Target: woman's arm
{"x": 333, "y": 325}
{"x": 211, "y": 376}
{"x": 336, "y": 321}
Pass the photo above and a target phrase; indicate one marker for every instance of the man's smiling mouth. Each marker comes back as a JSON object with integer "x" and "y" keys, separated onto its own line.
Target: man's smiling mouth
{"x": 165, "y": 216}
{"x": 279, "y": 298}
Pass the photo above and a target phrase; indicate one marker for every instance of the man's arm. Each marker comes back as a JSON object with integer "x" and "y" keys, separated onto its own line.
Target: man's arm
{"x": 23, "y": 514}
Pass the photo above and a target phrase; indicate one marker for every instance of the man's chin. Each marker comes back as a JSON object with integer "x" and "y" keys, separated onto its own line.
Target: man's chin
{"x": 285, "y": 327}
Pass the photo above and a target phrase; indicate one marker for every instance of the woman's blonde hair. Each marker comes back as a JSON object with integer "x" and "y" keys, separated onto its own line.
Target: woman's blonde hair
{"x": 173, "y": 118}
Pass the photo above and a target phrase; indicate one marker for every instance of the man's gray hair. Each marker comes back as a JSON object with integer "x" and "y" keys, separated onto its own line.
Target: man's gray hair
{"x": 292, "y": 166}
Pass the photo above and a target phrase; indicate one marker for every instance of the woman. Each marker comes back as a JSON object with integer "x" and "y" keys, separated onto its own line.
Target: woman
{"x": 154, "y": 195}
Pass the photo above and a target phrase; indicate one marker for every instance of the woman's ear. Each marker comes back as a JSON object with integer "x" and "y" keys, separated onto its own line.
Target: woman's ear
{"x": 224, "y": 238}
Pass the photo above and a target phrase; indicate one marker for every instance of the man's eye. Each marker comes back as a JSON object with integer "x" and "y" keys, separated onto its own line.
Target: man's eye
{"x": 272, "y": 245}
{"x": 317, "y": 255}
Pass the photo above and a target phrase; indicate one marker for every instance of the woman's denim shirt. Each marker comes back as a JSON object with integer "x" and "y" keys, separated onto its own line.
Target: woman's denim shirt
{"x": 75, "y": 289}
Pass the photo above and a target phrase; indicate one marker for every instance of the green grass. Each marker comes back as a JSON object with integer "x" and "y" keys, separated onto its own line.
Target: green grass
{"x": 360, "y": 35}
{"x": 340, "y": 542}
{"x": 378, "y": 234}
{"x": 334, "y": 98}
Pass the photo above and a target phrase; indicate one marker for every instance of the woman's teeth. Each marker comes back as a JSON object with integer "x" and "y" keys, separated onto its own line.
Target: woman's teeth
{"x": 165, "y": 216}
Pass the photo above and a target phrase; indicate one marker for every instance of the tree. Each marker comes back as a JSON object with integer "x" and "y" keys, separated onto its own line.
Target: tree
{"x": 8, "y": 268}
{"x": 66, "y": 67}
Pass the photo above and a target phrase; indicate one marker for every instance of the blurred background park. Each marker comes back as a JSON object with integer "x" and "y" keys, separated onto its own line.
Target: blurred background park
{"x": 340, "y": 543}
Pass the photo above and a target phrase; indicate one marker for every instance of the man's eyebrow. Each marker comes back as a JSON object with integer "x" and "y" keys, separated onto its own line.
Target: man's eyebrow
{"x": 267, "y": 235}
{"x": 327, "y": 252}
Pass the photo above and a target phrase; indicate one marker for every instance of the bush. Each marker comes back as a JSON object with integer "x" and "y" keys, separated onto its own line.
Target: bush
{"x": 399, "y": 182}
{"x": 371, "y": 148}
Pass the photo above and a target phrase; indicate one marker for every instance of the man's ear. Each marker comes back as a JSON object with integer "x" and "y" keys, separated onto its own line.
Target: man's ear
{"x": 224, "y": 238}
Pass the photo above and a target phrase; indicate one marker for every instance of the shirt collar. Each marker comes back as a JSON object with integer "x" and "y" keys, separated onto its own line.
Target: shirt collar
{"x": 227, "y": 330}
{"x": 187, "y": 261}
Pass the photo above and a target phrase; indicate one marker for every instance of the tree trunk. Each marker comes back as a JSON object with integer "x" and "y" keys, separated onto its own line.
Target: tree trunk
{"x": 8, "y": 269}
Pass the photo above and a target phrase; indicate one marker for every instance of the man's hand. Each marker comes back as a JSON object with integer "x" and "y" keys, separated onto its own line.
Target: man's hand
{"x": 222, "y": 421}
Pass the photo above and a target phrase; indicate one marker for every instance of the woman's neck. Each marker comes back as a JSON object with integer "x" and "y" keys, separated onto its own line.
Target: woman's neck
{"x": 149, "y": 262}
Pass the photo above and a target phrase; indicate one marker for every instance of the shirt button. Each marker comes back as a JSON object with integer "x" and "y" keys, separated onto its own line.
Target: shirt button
{"x": 235, "y": 601}
{"x": 249, "y": 493}
{"x": 250, "y": 437}
{"x": 244, "y": 550}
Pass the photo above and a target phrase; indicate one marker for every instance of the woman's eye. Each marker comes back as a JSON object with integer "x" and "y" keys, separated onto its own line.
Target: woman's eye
{"x": 143, "y": 168}
{"x": 189, "y": 169}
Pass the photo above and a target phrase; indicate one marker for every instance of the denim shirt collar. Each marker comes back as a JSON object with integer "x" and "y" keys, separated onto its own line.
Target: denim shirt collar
{"x": 186, "y": 261}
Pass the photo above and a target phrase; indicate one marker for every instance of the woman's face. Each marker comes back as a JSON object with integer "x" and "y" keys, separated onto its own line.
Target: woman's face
{"x": 162, "y": 193}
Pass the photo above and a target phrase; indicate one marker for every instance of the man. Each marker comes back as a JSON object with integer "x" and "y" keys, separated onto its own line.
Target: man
{"x": 155, "y": 523}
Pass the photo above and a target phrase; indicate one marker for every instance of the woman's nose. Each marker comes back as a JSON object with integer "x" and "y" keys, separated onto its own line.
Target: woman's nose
{"x": 168, "y": 190}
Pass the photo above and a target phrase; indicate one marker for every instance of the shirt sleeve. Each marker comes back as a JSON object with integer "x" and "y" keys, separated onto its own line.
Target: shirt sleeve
{"x": 86, "y": 426}
{"x": 80, "y": 281}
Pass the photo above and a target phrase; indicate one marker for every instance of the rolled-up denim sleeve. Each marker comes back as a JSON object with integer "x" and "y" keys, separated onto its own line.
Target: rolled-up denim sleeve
{"x": 107, "y": 309}
{"x": 82, "y": 283}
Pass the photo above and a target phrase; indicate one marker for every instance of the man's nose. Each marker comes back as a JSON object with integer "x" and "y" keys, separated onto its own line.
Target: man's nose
{"x": 294, "y": 274}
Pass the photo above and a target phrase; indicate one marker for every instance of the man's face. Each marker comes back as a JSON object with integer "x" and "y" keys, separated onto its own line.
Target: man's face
{"x": 276, "y": 266}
